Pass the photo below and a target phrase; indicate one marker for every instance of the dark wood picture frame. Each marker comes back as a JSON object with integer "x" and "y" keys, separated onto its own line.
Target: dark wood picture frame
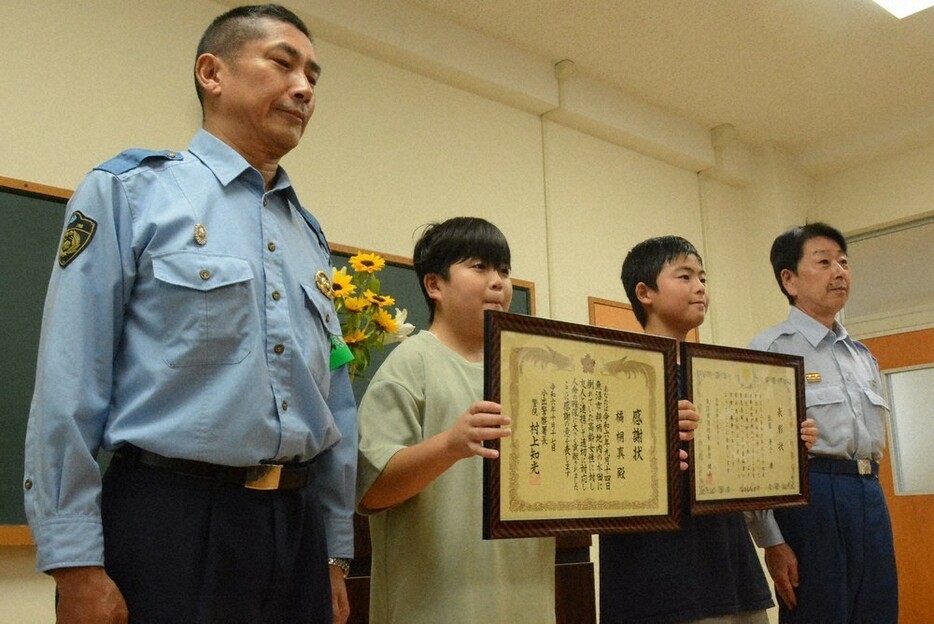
{"x": 773, "y": 439}
{"x": 660, "y": 386}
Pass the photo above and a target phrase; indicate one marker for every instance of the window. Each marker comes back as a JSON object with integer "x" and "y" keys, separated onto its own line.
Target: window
{"x": 911, "y": 394}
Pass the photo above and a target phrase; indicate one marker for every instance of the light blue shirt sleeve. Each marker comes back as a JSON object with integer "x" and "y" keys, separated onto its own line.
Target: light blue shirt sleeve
{"x": 82, "y": 324}
{"x": 336, "y": 469}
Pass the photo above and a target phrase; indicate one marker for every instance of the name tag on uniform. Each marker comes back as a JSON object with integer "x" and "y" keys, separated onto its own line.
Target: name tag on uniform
{"x": 812, "y": 377}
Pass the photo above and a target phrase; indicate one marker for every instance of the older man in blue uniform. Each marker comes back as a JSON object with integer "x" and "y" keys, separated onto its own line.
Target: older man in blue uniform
{"x": 833, "y": 561}
{"x": 189, "y": 329}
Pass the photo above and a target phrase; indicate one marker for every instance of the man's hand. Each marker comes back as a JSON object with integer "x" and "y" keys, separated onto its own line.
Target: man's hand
{"x": 783, "y": 567}
{"x": 339, "y": 600}
{"x": 481, "y": 422}
{"x": 687, "y": 424}
{"x": 86, "y": 595}
{"x": 809, "y": 432}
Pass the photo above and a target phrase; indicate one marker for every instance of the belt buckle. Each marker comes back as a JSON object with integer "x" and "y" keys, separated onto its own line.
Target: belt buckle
{"x": 264, "y": 477}
{"x": 864, "y": 467}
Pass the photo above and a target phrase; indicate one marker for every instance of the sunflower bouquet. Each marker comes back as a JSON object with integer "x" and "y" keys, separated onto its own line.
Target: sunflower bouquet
{"x": 366, "y": 322}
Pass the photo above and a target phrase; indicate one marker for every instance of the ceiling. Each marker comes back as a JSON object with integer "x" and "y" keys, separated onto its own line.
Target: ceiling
{"x": 799, "y": 73}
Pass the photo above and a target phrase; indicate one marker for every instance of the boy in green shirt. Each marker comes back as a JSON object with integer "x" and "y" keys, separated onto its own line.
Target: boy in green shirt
{"x": 420, "y": 477}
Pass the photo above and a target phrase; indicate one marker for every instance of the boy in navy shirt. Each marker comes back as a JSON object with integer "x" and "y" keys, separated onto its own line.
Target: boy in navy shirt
{"x": 708, "y": 571}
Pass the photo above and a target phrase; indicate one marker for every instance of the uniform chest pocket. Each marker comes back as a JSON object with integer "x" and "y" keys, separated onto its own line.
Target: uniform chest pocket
{"x": 316, "y": 336}
{"x": 817, "y": 397}
{"x": 826, "y": 406}
{"x": 876, "y": 399}
{"x": 208, "y": 308}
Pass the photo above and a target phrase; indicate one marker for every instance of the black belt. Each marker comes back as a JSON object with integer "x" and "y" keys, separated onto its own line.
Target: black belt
{"x": 861, "y": 467}
{"x": 291, "y": 476}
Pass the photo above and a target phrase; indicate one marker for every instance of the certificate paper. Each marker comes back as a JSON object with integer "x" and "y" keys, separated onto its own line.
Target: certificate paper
{"x": 594, "y": 430}
{"x": 747, "y": 453}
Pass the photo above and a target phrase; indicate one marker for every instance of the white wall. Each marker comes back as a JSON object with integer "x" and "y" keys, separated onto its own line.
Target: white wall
{"x": 878, "y": 193}
{"x": 389, "y": 150}
{"x": 83, "y": 81}
{"x": 601, "y": 200}
{"x": 399, "y": 140}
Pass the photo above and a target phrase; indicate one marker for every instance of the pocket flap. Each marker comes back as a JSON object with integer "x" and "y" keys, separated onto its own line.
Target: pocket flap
{"x": 823, "y": 396}
{"x": 324, "y": 307}
{"x": 876, "y": 399}
{"x": 201, "y": 271}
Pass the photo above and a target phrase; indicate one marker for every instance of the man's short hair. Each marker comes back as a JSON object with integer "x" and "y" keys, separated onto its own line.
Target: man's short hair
{"x": 788, "y": 248}
{"x": 644, "y": 263}
{"x": 453, "y": 241}
{"x": 229, "y": 32}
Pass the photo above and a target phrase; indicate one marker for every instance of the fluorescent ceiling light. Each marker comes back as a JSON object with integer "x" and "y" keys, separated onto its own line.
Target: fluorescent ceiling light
{"x": 904, "y": 8}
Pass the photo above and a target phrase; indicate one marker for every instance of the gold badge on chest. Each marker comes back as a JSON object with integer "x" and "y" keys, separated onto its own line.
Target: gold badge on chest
{"x": 324, "y": 284}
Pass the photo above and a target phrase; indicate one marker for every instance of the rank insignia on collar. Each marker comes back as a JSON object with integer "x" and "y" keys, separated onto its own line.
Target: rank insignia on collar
{"x": 77, "y": 236}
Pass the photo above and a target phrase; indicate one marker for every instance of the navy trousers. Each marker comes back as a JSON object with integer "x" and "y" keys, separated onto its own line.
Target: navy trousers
{"x": 184, "y": 549}
{"x": 846, "y": 557}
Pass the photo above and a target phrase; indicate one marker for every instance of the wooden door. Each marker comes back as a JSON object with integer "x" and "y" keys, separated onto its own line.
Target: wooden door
{"x": 912, "y": 515}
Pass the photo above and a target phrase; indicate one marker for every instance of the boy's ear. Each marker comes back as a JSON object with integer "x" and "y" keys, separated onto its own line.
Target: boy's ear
{"x": 644, "y": 294}
{"x": 431, "y": 281}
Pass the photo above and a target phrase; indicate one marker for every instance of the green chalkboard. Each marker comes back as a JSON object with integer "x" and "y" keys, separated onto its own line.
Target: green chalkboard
{"x": 32, "y": 225}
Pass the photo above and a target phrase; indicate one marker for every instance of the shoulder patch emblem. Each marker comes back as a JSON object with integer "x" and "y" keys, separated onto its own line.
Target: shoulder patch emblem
{"x": 77, "y": 236}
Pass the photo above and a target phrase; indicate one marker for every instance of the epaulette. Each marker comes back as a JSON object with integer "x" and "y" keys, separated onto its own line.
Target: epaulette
{"x": 132, "y": 158}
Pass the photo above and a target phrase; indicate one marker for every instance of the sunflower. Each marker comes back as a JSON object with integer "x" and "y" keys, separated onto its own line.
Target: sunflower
{"x": 341, "y": 283}
{"x": 367, "y": 263}
{"x": 386, "y": 321}
{"x": 355, "y": 304}
{"x": 380, "y": 300}
{"x": 355, "y": 336}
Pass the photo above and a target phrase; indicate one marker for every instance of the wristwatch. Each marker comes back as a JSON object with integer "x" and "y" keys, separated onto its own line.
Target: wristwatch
{"x": 343, "y": 564}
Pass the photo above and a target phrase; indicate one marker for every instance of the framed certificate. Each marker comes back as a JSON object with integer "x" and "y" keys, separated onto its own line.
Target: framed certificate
{"x": 594, "y": 444}
{"x": 747, "y": 453}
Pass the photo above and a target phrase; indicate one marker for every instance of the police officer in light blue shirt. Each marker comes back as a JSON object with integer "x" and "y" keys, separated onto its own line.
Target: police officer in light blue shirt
{"x": 189, "y": 328}
{"x": 834, "y": 560}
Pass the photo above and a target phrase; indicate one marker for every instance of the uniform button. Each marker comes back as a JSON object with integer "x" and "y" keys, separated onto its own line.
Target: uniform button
{"x": 205, "y": 274}
{"x": 265, "y": 201}
{"x": 28, "y": 484}
{"x": 279, "y": 348}
{"x": 285, "y": 405}
{"x": 327, "y": 318}
{"x": 275, "y": 295}
{"x": 271, "y": 246}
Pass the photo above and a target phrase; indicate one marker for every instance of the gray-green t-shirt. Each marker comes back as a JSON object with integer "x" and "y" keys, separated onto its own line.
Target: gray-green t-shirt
{"x": 430, "y": 561}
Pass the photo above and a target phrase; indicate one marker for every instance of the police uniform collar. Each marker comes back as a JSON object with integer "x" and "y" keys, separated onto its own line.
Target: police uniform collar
{"x": 813, "y": 330}
{"x": 224, "y": 161}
